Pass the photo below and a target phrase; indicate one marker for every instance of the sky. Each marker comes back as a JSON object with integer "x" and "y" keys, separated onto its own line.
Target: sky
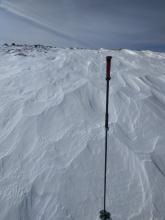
{"x": 111, "y": 24}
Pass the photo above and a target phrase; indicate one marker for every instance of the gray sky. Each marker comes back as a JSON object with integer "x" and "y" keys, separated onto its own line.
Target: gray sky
{"x": 133, "y": 24}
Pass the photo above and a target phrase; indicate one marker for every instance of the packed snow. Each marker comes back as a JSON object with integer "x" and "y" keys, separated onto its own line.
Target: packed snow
{"x": 52, "y": 111}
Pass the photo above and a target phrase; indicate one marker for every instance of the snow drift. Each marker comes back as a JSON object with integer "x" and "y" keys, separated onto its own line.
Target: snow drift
{"x": 52, "y": 104}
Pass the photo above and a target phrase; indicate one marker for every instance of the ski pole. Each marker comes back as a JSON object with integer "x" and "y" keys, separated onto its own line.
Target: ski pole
{"x": 104, "y": 215}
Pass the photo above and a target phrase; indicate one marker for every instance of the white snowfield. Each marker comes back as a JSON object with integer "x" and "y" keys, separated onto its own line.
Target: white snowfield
{"x": 52, "y": 107}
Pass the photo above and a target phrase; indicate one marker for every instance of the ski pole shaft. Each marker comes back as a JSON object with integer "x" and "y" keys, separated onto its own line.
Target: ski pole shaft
{"x": 104, "y": 215}
{"x": 108, "y": 77}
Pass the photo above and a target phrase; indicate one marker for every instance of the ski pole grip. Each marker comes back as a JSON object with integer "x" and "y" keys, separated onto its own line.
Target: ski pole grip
{"x": 108, "y": 67}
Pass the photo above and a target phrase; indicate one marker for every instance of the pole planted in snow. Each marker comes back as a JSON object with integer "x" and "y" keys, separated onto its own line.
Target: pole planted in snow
{"x": 104, "y": 215}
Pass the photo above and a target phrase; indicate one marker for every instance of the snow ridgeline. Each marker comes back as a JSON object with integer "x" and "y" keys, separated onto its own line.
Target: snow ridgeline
{"x": 52, "y": 106}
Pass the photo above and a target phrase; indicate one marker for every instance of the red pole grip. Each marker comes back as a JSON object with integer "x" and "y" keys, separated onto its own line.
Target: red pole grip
{"x": 108, "y": 68}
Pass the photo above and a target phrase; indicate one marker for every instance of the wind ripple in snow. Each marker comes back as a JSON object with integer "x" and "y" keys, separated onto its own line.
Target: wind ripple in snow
{"x": 52, "y": 104}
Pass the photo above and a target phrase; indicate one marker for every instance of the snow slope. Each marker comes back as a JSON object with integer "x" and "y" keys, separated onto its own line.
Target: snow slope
{"x": 52, "y": 104}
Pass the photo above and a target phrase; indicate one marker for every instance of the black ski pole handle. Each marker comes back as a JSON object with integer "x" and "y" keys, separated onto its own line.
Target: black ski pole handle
{"x": 108, "y": 67}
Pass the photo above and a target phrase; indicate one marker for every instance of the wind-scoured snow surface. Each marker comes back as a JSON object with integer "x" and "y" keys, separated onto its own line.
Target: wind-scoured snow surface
{"x": 52, "y": 106}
